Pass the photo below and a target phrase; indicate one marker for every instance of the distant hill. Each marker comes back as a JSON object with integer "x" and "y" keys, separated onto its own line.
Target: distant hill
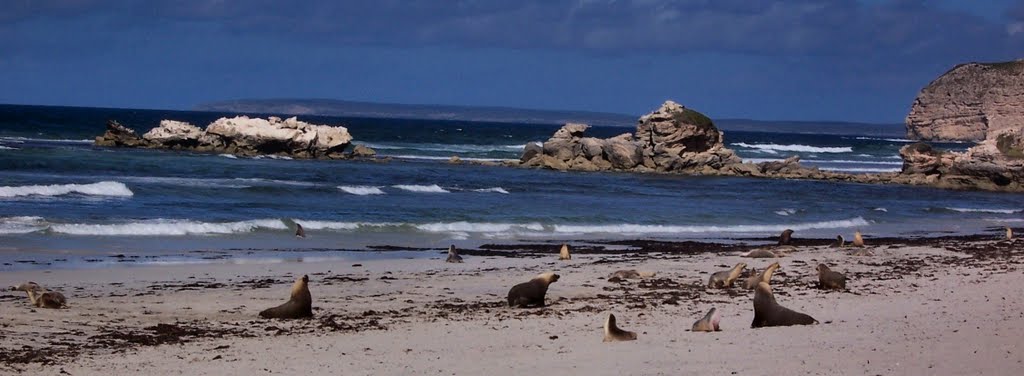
{"x": 334, "y": 107}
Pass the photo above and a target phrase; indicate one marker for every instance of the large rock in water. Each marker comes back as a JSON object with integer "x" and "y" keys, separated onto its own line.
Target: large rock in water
{"x": 968, "y": 102}
{"x": 996, "y": 164}
{"x": 242, "y": 136}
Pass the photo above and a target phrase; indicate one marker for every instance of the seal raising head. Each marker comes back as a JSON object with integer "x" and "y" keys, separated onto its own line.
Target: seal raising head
{"x": 829, "y": 279}
{"x": 612, "y": 333}
{"x": 768, "y": 312}
{"x": 786, "y": 237}
{"x": 299, "y": 305}
{"x": 531, "y": 294}
{"x": 765, "y": 276}
{"x": 453, "y": 255}
{"x": 299, "y": 231}
{"x": 858, "y": 239}
{"x": 41, "y": 297}
{"x": 709, "y": 323}
{"x": 726, "y": 278}
{"x": 563, "y": 254}
{"x": 840, "y": 242}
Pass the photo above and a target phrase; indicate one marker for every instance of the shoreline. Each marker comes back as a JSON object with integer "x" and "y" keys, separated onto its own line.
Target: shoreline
{"x": 388, "y": 316}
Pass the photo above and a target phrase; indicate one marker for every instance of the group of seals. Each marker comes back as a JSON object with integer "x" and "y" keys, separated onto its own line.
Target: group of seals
{"x": 531, "y": 294}
{"x": 299, "y": 304}
{"x": 725, "y": 278}
{"x": 41, "y": 297}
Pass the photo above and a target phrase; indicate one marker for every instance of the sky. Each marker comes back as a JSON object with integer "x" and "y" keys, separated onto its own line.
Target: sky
{"x": 846, "y": 60}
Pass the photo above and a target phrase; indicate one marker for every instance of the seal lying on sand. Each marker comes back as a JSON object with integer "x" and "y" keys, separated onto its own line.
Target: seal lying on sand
{"x": 299, "y": 231}
{"x": 767, "y": 312}
{"x": 858, "y": 239}
{"x": 786, "y": 237}
{"x": 762, "y": 253}
{"x": 563, "y": 254}
{"x": 530, "y": 294}
{"x": 840, "y": 242}
{"x": 765, "y": 276}
{"x": 612, "y": 333}
{"x": 453, "y": 255}
{"x": 709, "y": 323}
{"x": 725, "y": 278}
{"x": 830, "y": 279}
{"x": 299, "y": 305}
{"x": 631, "y": 274}
{"x": 862, "y": 252}
{"x": 41, "y": 297}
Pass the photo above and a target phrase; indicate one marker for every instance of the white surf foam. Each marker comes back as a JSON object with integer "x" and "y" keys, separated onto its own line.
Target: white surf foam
{"x": 271, "y": 156}
{"x": 847, "y": 161}
{"x": 186, "y": 182}
{"x": 993, "y": 211}
{"x": 478, "y": 227}
{"x": 7, "y": 148}
{"x": 436, "y": 158}
{"x": 276, "y": 181}
{"x": 796, "y": 148}
{"x": 448, "y": 148}
{"x": 492, "y": 190}
{"x": 670, "y": 229}
{"x": 881, "y": 209}
{"x": 103, "y": 188}
{"x": 21, "y": 225}
{"x": 786, "y": 212}
{"x": 860, "y": 169}
{"x": 887, "y": 139}
{"x": 422, "y": 188}
{"x": 232, "y": 156}
{"x": 167, "y": 227}
{"x": 361, "y": 190}
{"x": 22, "y": 140}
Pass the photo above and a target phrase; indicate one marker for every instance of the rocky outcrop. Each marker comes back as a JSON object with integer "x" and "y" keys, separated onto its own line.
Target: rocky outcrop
{"x": 242, "y": 136}
{"x": 670, "y": 139}
{"x": 996, "y": 164}
{"x": 968, "y": 102}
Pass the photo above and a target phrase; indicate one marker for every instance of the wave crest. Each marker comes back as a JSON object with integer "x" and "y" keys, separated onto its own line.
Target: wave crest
{"x": 103, "y": 188}
{"x": 796, "y": 148}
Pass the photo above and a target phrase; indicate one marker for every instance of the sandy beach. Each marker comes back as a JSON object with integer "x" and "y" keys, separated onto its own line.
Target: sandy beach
{"x": 946, "y": 306}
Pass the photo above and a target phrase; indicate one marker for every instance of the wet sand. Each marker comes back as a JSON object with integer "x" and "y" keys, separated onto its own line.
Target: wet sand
{"x": 936, "y": 306}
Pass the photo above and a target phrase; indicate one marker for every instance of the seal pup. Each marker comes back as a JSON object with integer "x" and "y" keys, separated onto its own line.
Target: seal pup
{"x": 840, "y": 242}
{"x": 829, "y": 279}
{"x": 786, "y": 237}
{"x": 563, "y": 254}
{"x": 529, "y": 294}
{"x": 768, "y": 312}
{"x": 725, "y": 278}
{"x": 709, "y": 323}
{"x": 299, "y": 231}
{"x": 858, "y": 239}
{"x": 631, "y": 274}
{"x": 41, "y": 297}
{"x": 612, "y": 333}
{"x": 299, "y": 304}
{"x": 761, "y": 253}
{"x": 765, "y": 276}
{"x": 453, "y": 255}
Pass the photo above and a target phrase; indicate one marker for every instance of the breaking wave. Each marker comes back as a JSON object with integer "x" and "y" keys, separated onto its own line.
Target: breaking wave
{"x": 103, "y": 188}
{"x": 796, "y": 148}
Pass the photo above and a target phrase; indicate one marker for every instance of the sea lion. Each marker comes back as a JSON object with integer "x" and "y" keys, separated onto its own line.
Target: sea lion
{"x": 41, "y": 297}
{"x": 768, "y": 312}
{"x": 299, "y": 231}
{"x": 786, "y": 237}
{"x": 453, "y": 255}
{"x": 829, "y": 279}
{"x": 563, "y": 254}
{"x": 858, "y": 239}
{"x": 761, "y": 253}
{"x": 1009, "y": 233}
{"x": 709, "y": 323}
{"x": 631, "y": 274}
{"x": 299, "y": 304}
{"x": 862, "y": 252}
{"x": 765, "y": 276}
{"x": 612, "y": 333}
{"x": 725, "y": 278}
{"x": 840, "y": 242}
{"x": 531, "y": 293}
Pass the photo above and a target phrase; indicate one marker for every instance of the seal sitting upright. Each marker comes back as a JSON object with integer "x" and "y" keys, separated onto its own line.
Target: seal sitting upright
{"x": 563, "y": 254}
{"x": 709, "y": 323}
{"x": 858, "y": 239}
{"x": 767, "y": 312}
{"x": 531, "y": 294}
{"x": 840, "y": 242}
{"x": 453, "y": 255}
{"x": 829, "y": 279}
{"x": 299, "y": 305}
{"x": 786, "y": 237}
{"x": 612, "y": 333}
{"x": 725, "y": 278}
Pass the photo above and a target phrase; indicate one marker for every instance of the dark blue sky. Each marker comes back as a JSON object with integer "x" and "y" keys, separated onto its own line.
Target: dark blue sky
{"x": 799, "y": 59}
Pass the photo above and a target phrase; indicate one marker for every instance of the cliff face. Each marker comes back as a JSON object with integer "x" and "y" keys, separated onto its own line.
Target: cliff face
{"x": 968, "y": 102}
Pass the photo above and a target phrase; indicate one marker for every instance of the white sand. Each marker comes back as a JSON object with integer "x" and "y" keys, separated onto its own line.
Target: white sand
{"x": 938, "y": 319}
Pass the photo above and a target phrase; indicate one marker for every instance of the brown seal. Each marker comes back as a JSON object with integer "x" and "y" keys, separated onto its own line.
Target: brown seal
{"x": 612, "y": 333}
{"x": 631, "y": 274}
{"x": 299, "y": 231}
{"x": 862, "y": 252}
{"x": 786, "y": 237}
{"x": 530, "y": 294}
{"x": 299, "y": 305}
{"x": 762, "y": 253}
{"x": 858, "y": 239}
{"x": 840, "y": 242}
{"x": 709, "y": 323}
{"x": 725, "y": 278}
{"x": 41, "y": 297}
{"x": 453, "y": 255}
{"x": 768, "y": 312}
{"x": 563, "y": 254}
{"x": 765, "y": 276}
{"x": 829, "y": 279}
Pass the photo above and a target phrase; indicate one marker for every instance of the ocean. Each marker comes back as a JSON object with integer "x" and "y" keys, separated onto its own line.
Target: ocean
{"x": 66, "y": 203}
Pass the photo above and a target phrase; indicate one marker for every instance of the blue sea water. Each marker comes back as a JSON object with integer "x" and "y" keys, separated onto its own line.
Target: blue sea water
{"x": 65, "y": 202}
